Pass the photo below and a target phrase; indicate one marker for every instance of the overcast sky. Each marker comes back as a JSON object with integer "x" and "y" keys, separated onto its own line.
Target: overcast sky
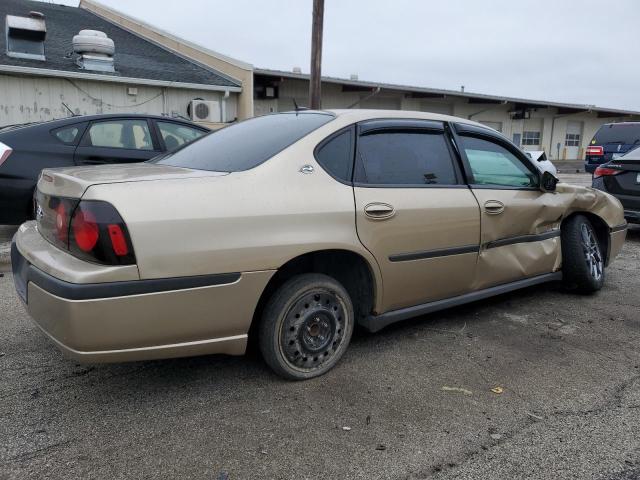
{"x": 577, "y": 51}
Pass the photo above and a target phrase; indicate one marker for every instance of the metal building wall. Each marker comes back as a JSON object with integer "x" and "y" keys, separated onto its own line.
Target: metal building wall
{"x": 31, "y": 99}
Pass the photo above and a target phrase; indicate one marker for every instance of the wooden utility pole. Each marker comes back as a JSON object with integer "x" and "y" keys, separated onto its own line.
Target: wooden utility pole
{"x": 316, "y": 55}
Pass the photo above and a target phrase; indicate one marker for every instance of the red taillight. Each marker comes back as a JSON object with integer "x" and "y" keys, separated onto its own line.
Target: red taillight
{"x": 118, "y": 240}
{"x": 62, "y": 222}
{"x": 98, "y": 234}
{"x": 85, "y": 229}
{"x": 605, "y": 172}
{"x": 595, "y": 151}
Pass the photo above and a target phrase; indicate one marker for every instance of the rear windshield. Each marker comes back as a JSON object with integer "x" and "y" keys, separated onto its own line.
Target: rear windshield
{"x": 623, "y": 133}
{"x": 246, "y": 144}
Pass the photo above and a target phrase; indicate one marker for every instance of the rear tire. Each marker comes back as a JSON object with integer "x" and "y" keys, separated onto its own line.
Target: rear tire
{"x": 306, "y": 326}
{"x": 582, "y": 258}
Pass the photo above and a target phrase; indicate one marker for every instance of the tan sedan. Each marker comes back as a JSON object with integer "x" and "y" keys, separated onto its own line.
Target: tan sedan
{"x": 294, "y": 227}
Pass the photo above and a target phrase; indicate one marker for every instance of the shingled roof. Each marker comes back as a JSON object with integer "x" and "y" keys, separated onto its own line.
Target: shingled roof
{"x": 134, "y": 57}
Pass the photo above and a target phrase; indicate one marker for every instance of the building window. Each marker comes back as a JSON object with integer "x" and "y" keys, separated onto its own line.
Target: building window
{"x": 572, "y": 140}
{"x": 530, "y": 138}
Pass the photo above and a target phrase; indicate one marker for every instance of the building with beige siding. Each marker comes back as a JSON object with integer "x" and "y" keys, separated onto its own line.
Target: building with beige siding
{"x": 45, "y": 75}
{"x": 562, "y": 130}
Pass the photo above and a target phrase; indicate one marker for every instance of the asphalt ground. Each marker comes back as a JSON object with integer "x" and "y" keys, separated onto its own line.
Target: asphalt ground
{"x": 413, "y": 401}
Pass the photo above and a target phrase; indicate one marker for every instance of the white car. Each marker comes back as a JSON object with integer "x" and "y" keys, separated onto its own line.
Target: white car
{"x": 540, "y": 160}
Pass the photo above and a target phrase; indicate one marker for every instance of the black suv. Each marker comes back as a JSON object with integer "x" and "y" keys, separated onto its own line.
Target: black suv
{"x": 611, "y": 141}
{"x": 82, "y": 140}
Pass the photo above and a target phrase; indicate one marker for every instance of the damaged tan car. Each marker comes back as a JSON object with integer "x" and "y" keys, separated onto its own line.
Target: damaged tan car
{"x": 295, "y": 227}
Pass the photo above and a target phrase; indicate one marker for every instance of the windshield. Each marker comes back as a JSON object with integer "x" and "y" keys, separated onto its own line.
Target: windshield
{"x": 624, "y": 133}
{"x": 247, "y": 144}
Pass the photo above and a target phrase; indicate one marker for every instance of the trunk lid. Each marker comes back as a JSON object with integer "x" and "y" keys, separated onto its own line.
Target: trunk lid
{"x": 72, "y": 182}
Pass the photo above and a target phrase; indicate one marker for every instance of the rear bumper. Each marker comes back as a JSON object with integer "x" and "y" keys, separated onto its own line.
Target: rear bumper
{"x": 140, "y": 320}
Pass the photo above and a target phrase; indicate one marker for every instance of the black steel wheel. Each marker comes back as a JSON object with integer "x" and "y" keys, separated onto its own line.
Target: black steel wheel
{"x": 306, "y": 326}
{"x": 582, "y": 259}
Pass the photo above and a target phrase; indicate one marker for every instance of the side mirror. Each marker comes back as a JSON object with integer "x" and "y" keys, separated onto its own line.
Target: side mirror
{"x": 548, "y": 182}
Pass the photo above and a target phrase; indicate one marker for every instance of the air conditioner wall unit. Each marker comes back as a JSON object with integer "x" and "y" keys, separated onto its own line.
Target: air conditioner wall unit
{"x": 205, "y": 111}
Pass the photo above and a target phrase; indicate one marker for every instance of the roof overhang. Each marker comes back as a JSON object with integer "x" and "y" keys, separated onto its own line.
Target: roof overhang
{"x": 476, "y": 98}
{"x": 44, "y": 72}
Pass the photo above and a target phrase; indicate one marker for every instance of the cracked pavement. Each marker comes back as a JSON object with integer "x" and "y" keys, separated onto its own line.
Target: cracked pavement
{"x": 569, "y": 367}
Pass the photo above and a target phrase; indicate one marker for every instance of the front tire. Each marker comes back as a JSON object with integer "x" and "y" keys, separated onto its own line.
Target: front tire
{"x": 306, "y": 326}
{"x": 582, "y": 258}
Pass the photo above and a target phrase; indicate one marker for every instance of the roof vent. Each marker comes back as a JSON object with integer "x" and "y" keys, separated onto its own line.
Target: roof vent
{"x": 353, "y": 76}
{"x": 297, "y": 70}
{"x": 25, "y": 36}
{"x": 95, "y": 51}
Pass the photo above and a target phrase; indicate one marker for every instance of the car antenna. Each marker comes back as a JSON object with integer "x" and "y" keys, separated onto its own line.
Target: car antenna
{"x": 73, "y": 114}
{"x": 297, "y": 107}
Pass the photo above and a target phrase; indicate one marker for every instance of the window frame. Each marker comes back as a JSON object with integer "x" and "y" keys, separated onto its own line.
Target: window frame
{"x": 464, "y": 130}
{"x": 328, "y": 139}
{"x": 380, "y": 125}
{"x": 158, "y": 133}
{"x": 86, "y": 136}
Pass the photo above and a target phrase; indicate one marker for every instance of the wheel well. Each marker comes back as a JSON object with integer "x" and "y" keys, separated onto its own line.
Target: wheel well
{"x": 349, "y": 268}
{"x": 601, "y": 228}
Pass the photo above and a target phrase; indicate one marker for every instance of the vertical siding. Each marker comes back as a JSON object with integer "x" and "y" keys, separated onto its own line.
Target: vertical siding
{"x": 32, "y": 99}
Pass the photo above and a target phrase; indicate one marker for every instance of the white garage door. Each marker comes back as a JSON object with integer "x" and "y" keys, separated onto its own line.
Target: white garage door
{"x": 572, "y": 140}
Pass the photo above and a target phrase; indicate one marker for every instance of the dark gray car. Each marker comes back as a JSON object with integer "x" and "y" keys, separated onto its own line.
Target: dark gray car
{"x": 621, "y": 178}
{"x": 82, "y": 140}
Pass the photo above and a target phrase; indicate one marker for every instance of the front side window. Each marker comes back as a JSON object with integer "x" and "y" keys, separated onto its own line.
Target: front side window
{"x": 246, "y": 144}
{"x": 492, "y": 164}
{"x": 411, "y": 157}
{"x": 129, "y": 134}
{"x": 530, "y": 138}
{"x": 175, "y": 134}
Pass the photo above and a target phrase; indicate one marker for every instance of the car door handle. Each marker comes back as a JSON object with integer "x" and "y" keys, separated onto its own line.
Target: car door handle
{"x": 493, "y": 207}
{"x": 379, "y": 211}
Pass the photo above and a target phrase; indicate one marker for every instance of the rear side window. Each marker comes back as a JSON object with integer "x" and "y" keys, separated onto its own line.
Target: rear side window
{"x": 129, "y": 134}
{"x": 412, "y": 157}
{"x": 247, "y": 144}
{"x": 621, "y": 133}
{"x": 336, "y": 155}
{"x": 67, "y": 134}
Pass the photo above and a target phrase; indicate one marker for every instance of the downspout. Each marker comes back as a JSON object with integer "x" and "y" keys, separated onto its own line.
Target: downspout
{"x": 164, "y": 101}
{"x": 223, "y": 106}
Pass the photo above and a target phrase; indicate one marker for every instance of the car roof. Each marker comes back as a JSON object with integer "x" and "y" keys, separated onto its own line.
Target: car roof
{"x": 370, "y": 114}
{"x": 613, "y": 124}
{"x": 60, "y": 122}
